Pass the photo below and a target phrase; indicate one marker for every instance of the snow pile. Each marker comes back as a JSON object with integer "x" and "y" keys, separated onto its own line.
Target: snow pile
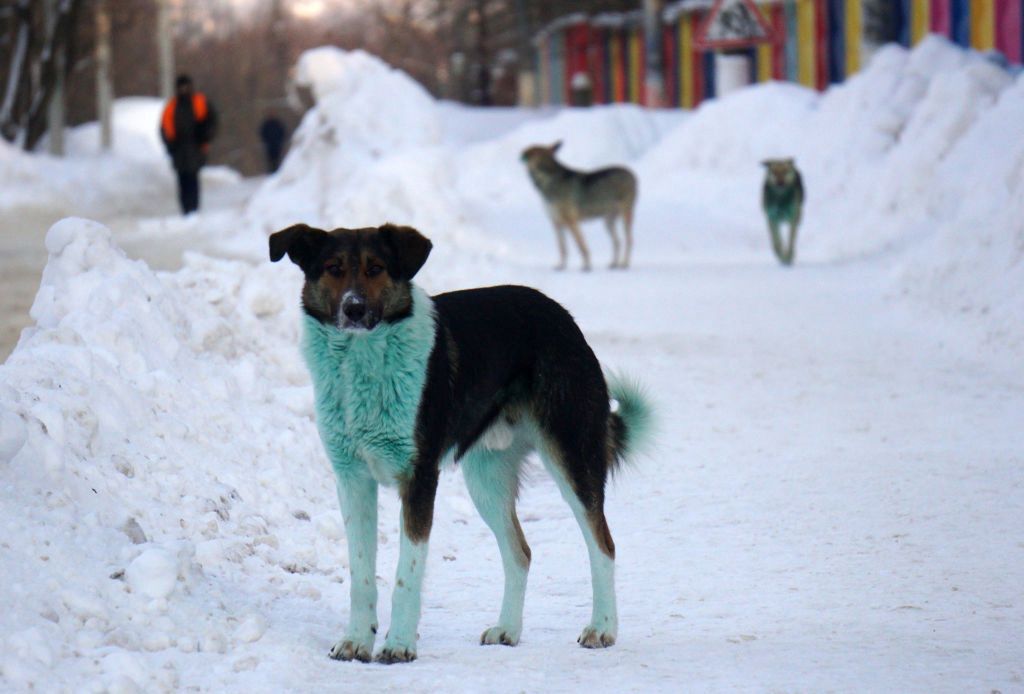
{"x": 155, "y": 435}
{"x": 923, "y": 144}
{"x": 974, "y": 263}
{"x": 869, "y": 149}
{"x": 374, "y": 149}
{"x": 356, "y": 152}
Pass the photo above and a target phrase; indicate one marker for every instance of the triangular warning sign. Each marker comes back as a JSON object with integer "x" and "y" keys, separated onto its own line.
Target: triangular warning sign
{"x": 733, "y": 24}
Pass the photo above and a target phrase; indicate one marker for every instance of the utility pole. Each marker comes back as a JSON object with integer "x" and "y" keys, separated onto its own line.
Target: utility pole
{"x": 55, "y": 107}
{"x": 104, "y": 81}
{"x": 527, "y": 88}
{"x": 483, "y": 66}
{"x": 654, "y": 84}
{"x": 165, "y": 48}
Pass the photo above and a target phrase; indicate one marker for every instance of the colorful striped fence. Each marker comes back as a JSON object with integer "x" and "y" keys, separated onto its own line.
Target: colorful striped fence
{"x": 985, "y": 25}
{"x": 817, "y": 43}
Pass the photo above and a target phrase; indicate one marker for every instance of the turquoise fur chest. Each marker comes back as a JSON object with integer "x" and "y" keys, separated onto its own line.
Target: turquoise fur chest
{"x": 367, "y": 387}
{"x": 781, "y": 202}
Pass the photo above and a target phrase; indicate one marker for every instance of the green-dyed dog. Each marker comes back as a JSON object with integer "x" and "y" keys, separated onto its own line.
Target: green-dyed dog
{"x": 406, "y": 382}
{"x": 782, "y": 199}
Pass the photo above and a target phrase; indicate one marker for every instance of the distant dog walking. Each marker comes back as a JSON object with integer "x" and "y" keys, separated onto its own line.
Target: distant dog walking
{"x": 782, "y": 199}
{"x": 572, "y": 196}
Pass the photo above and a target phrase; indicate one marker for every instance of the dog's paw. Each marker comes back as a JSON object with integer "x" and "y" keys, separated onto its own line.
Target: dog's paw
{"x": 592, "y": 637}
{"x": 351, "y": 649}
{"x": 390, "y": 655}
{"x": 500, "y": 635}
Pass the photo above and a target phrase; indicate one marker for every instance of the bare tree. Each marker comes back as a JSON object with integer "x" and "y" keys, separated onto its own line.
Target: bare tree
{"x": 104, "y": 78}
{"x": 39, "y": 44}
{"x": 165, "y": 48}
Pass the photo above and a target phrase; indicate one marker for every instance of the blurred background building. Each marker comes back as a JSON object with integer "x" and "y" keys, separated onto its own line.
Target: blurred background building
{"x": 65, "y": 60}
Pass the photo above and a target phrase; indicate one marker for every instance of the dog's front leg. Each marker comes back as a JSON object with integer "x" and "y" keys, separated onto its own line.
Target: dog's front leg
{"x": 417, "y": 517}
{"x": 357, "y": 494}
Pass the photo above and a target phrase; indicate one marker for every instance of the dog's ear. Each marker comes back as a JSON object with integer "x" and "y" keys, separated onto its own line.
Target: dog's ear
{"x": 554, "y": 148}
{"x": 301, "y": 242}
{"x": 409, "y": 249}
{"x": 766, "y": 162}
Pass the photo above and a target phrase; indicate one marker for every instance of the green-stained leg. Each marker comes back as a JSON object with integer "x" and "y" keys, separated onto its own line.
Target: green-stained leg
{"x": 773, "y": 228}
{"x": 492, "y": 477}
{"x": 604, "y": 622}
{"x": 357, "y": 495}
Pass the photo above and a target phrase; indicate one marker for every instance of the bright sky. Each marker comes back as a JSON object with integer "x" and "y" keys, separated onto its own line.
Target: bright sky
{"x": 304, "y": 9}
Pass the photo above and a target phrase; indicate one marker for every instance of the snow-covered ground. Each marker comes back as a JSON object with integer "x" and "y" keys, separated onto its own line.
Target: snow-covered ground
{"x": 836, "y": 500}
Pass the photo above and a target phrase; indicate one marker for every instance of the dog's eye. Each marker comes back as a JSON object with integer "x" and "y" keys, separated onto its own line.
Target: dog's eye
{"x": 374, "y": 270}
{"x": 334, "y": 270}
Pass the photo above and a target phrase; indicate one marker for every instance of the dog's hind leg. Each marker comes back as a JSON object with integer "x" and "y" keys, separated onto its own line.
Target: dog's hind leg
{"x": 609, "y": 221}
{"x": 576, "y": 457}
{"x": 492, "y": 478}
{"x": 773, "y": 229}
{"x": 794, "y": 223}
{"x": 357, "y": 494}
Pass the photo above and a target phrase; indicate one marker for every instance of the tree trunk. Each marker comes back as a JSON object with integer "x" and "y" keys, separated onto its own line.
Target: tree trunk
{"x": 55, "y": 109}
{"x": 483, "y": 64}
{"x": 104, "y": 79}
{"x": 19, "y": 60}
{"x": 165, "y": 48}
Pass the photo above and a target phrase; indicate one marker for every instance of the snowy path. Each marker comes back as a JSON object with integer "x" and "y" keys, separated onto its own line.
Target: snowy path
{"x": 835, "y": 503}
{"x": 23, "y": 255}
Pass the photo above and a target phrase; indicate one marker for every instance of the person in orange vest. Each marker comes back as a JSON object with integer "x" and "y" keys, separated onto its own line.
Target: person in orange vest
{"x": 188, "y": 124}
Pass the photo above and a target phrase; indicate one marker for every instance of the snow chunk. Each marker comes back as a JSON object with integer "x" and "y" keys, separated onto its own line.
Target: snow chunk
{"x": 251, "y": 628}
{"x": 153, "y": 573}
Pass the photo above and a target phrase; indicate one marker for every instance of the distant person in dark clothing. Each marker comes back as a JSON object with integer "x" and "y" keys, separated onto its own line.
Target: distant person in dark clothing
{"x": 188, "y": 124}
{"x": 273, "y": 134}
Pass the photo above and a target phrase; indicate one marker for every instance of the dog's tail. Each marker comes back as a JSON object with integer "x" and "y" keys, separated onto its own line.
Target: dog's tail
{"x": 631, "y": 421}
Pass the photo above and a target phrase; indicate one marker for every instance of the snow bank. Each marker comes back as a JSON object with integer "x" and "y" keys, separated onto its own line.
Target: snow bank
{"x": 144, "y": 456}
{"x": 923, "y": 144}
{"x": 377, "y": 148}
{"x": 369, "y": 123}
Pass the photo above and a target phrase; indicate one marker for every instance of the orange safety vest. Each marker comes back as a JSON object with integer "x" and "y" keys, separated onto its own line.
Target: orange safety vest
{"x": 199, "y": 108}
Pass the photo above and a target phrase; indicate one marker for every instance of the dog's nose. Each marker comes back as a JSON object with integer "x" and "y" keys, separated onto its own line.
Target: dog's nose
{"x": 354, "y": 308}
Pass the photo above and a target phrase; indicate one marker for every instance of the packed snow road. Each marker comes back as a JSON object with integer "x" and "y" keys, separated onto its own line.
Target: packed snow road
{"x": 834, "y": 502}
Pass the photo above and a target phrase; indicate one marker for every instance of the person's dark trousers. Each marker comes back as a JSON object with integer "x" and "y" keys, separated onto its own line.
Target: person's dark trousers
{"x": 273, "y": 159}
{"x": 188, "y": 191}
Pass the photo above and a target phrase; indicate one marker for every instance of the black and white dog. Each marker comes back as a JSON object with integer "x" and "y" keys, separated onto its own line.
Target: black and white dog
{"x": 485, "y": 376}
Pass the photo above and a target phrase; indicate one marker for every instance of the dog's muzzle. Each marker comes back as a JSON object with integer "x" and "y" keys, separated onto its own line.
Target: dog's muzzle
{"x": 356, "y": 314}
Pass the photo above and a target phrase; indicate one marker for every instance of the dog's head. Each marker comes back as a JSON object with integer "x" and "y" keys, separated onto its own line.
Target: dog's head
{"x": 780, "y": 172}
{"x": 355, "y": 278}
{"x": 538, "y": 156}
